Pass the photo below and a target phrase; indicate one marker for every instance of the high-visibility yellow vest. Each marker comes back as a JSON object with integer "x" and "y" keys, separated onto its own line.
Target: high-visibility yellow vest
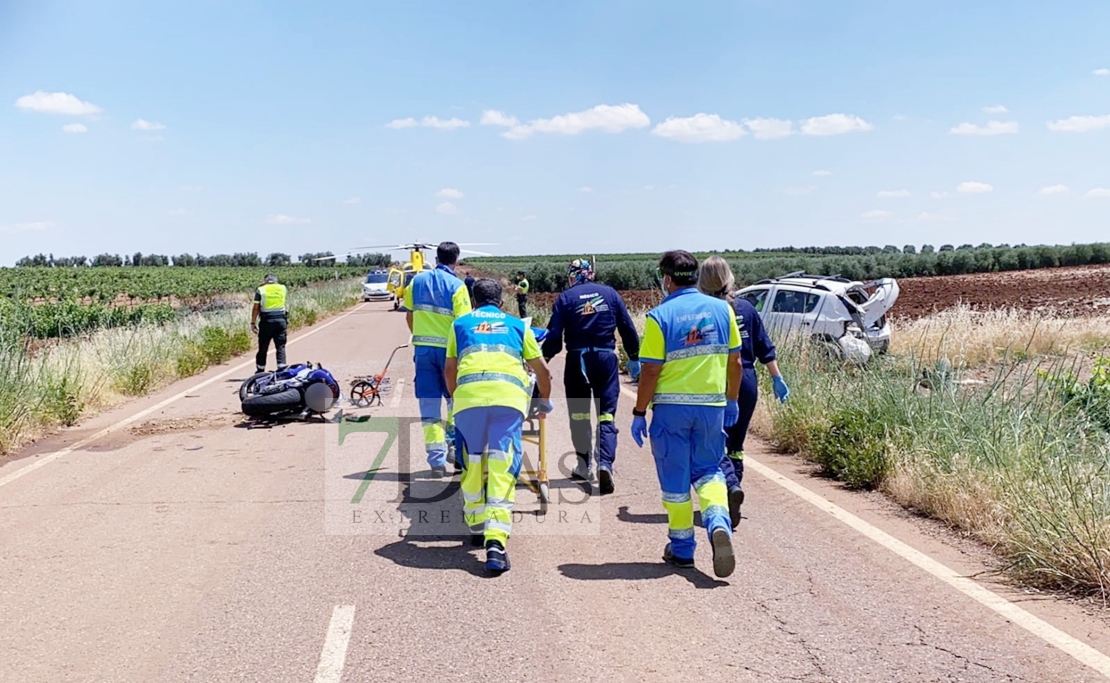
{"x": 691, "y": 335}
{"x": 491, "y": 348}
{"x": 272, "y": 298}
{"x": 436, "y": 298}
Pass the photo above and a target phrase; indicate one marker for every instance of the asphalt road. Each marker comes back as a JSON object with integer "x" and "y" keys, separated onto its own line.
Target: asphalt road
{"x": 185, "y": 546}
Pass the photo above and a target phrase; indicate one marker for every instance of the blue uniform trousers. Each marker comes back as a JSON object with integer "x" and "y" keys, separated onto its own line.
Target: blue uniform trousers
{"x": 430, "y": 387}
{"x": 592, "y": 380}
{"x": 732, "y": 460}
{"x": 687, "y": 442}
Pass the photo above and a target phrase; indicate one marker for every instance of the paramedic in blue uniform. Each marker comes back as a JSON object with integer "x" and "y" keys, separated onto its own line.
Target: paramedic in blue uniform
{"x": 589, "y": 314}
{"x": 716, "y": 280}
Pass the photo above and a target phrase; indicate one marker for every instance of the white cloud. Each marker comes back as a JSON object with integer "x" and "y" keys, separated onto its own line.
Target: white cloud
{"x": 992, "y": 128}
{"x": 972, "y": 187}
{"x": 56, "y": 103}
{"x": 443, "y": 124}
{"x": 769, "y": 129}
{"x": 1099, "y": 193}
{"x": 649, "y": 188}
{"x": 1101, "y": 72}
{"x": 877, "y": 215}
{"x": 492, "y": 117}
{"x": 834, "y": 124}
{"x": 190, "y": 188}
{"x": 1079, "y": 124}
{"x": 37, "y": 226}
{"x": 500, "y": 209}
{"x": 901, "y": 117}
{"x": 938, "y": 195}
{"x": 996, "y": 109}
{"x": 822, "y": 172}
{"x": 75, "y": 128}
{"x": 799, "y": 191}
{"x": 352, "y": 200}
{"x": 529, "y": 217}
{"x": 282, "y": 219}
{"x": 449, "y": 193}
{"x": 1053, "y": 190}
{"x": 585, "y": 189}
{"x": 179, "y": 211}
{"x": 397, "y": 124}
{"x": 428, "y": 122}
{"x": 604, "y": 117}
{"x": 700, "y": 127}
{"x": 888, "y": 194}
{"x": 142, "y": 124}
{"x": 447, "y": 209}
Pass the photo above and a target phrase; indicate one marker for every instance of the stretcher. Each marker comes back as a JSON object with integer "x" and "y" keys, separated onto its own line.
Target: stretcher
{"x": 533, "y": 433}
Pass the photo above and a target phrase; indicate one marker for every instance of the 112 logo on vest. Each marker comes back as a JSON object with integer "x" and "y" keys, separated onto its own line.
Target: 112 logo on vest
{"x": 490, "y": 328}
{"x": 705, "y": 332}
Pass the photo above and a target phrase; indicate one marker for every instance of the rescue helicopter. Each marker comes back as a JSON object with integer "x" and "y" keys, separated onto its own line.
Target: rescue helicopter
{"x": 401, "y": 275}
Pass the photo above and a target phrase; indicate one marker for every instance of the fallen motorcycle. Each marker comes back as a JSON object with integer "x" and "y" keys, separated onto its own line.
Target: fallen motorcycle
{"x": 298, "y": 390}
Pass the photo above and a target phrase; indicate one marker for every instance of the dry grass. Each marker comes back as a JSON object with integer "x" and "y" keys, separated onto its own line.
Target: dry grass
{"x": 970, "y": 338}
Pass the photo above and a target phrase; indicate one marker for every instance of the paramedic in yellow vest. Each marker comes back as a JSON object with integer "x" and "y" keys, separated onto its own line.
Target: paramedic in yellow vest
{"x": 522, "y": 288}
{"x": 270, "y": 321}
{"x": 433, "y": 300}
{"x": 487, "y": 351}
{"x": 690, "y": 378}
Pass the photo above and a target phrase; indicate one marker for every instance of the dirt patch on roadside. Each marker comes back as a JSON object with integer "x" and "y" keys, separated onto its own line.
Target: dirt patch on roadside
{"x": 184, "y": 424}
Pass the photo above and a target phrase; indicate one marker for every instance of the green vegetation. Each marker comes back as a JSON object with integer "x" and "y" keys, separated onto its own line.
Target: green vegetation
{"x": 48, "y": 302}
{"x": 51, "y": 383}
{"x": 1021, "y": 459}
{"x": 637, "y": 271}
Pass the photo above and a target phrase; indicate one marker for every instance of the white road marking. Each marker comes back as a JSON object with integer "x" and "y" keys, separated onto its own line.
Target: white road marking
{"x": 398, "y": 389}
{"x": 334, "y": 654}
{"x": 1072, "y": 646}
{"x": 51, "y": 457}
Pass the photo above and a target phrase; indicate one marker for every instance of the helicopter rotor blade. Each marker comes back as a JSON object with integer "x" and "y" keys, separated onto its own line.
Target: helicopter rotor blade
{"x": 476, "y": 253}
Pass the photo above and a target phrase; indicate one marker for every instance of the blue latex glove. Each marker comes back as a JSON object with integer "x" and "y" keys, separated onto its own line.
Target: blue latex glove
{"x": 732, "y": 413}
{"x": 546, "y": 406}
{"x": 633, "y": 369}
{"x": 782, "y": 392}
{"x": 639, "y": 430}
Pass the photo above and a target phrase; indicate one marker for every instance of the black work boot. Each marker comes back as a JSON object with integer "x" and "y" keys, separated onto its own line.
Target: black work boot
{"x": 605, "y": 480}
{"x": 497, "y": 560}
{"x": 735, "y": 500}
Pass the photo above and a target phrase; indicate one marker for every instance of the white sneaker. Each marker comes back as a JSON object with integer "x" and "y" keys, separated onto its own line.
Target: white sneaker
{"x": 582, "y": 472}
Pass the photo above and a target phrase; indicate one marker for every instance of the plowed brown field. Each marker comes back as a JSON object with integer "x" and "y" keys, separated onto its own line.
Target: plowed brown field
{"x": 1065, "y": 291}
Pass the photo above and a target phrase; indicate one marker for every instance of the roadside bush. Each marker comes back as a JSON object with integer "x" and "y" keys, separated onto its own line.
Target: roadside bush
{"x": 853, "y": 447}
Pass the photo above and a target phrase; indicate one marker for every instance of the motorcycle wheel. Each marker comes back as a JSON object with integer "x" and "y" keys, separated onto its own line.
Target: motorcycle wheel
{"x": 261, "y": 405}
{"x": 250, "y": 385}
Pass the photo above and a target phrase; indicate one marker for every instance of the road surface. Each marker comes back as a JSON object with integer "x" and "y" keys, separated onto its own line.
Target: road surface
{"x": 183, "y": 546}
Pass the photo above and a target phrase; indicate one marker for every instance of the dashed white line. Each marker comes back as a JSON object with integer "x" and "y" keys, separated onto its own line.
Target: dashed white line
{"x": 334, "y": 655}
{"x": 398, "y": 389}
{"x": 51, "y": 457}
{"x": 1070, "y": 645}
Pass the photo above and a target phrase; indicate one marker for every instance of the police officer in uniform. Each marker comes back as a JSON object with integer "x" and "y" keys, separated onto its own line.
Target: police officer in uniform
{"x": 522, "y": 288}
{"x": 589, "y": 314}
{"x": 270, "y": 321}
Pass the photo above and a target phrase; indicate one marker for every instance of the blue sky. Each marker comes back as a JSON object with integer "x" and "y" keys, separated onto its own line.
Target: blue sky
{"x": 212, "y": 126}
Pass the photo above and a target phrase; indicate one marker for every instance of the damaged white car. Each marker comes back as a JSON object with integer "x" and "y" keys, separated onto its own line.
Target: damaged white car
{"x": 849, "y": 316}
